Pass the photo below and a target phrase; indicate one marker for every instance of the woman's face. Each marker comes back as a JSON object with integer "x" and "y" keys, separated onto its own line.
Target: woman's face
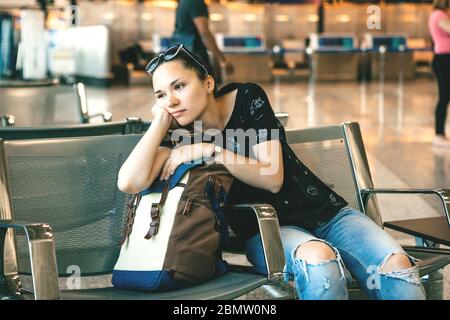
{"x": 180, "y": 91}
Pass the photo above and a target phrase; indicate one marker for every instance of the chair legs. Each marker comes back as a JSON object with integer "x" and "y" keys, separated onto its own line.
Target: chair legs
{"x": 434, "y": 285}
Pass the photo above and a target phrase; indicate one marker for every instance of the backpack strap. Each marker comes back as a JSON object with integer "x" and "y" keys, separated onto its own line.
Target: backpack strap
{"x": 175, "y": 179}
{"x": 131, "y": 213}
{"x": 155, "y": 212}
{"x": 244, "y": 101}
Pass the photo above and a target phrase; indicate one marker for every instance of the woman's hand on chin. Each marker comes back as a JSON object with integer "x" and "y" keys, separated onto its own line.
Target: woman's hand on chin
{"x": 162, "y": 116}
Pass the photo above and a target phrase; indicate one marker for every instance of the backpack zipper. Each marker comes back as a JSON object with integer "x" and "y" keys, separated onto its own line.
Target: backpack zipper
{"x": 190, "y": 201}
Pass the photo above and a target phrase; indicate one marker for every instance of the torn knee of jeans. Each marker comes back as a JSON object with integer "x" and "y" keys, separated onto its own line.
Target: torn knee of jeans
{"x": 395, "y": 264}
{"x": 303, "y": 265}
{"x": 336, "y": 253}
{"x": 410, "y": 274}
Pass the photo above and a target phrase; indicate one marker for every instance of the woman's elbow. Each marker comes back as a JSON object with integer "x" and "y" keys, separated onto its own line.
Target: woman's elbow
{"x": 124, "y": 185}
{"x": 277, "y": 186}
{"x": 127, "y": 185}
{"x": 276, "y": 189}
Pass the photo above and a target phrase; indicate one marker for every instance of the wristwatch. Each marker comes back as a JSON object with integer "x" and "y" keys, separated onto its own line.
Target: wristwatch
{"x": 217, "y": 150}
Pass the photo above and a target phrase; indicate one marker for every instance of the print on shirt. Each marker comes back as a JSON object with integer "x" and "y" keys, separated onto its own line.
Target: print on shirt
{"x": 312, "y": 191}
{"x": 233, "y": 144}
{"x": 333, "y": 200}
{"x": 256, "y": 104}
{"x": 262, "y": 135}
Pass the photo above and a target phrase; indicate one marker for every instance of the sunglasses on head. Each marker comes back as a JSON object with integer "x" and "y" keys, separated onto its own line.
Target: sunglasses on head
{"x": 170, "y": 54}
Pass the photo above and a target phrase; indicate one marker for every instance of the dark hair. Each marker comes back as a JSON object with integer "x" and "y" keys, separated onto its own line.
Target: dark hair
{"x": 441, "y": 4}
{"x": 190, "y": 61}
{"x": 191, "y": 64}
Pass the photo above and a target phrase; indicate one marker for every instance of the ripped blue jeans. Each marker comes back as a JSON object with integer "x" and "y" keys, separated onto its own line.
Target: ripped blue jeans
{"x": 360, "y": 246}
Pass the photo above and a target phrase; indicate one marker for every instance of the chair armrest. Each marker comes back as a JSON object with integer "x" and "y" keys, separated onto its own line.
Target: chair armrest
{"x": 442, "y": 194}
{"x": 41, "y": 245}
{"x": 106, "y": 116}
{"x": 432, "y": 259}
{"x": 80, "y": 93}
{"x": 269, "y": 229}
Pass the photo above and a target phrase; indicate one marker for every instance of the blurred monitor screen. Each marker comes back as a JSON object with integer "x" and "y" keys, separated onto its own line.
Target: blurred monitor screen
{"x": 391, "y": 43}
{"x": 336, "y": 42}
{"x": 243, "y": 42}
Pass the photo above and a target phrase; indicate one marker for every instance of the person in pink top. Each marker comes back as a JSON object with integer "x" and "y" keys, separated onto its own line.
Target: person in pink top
{"x": 439, "y": 27}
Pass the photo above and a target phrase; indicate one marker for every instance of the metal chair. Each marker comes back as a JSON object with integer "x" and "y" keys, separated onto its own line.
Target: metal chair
{"x": 65, "y": 189}
{"x": 43, "y": 103}
{"x": 80, "y": 92}
{"x": 130, "y": 125}
{"x": 58, "y": 181}
{"x": 337, "y": 156}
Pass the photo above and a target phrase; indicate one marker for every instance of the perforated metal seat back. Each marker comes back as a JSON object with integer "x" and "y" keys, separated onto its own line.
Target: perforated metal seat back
{"x": 80, "y": 130}
{"x": 41, "y": 105}
{"x": 337, "y": 156}
{"x": 71, "y": 184}
{"x": 323, "y": 151}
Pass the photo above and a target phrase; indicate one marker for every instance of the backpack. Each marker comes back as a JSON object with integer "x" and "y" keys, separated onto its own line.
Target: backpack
{"x": 172, "y": 237}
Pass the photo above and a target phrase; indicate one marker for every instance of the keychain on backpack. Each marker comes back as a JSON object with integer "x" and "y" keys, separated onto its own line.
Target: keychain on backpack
{"x": 218, "y": 199}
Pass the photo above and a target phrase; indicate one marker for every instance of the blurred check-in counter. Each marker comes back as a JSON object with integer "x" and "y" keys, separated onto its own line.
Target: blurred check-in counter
{"x": 84, "y": 52}
{"x": 388, "y": 53}
{"x": 249, "y": 56}
{"x": 334, "y": 56}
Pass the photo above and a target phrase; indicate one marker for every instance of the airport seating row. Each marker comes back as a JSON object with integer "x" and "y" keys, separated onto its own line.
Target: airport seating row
{"x": 59, "y": 194}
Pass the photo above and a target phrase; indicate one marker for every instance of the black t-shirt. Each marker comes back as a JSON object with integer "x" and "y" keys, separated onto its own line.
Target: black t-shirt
{"x": 252, "y": 121}
{"x": 304, "y": 200}
{"x": 185, "y": 29}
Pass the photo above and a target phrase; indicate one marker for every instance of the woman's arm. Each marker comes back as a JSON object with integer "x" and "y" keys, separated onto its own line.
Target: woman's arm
{"x": 185, "y": 154}
{"x": 201, "y": 23}
{"x": 147, "y": 158}
{"x": 265, "y": 172}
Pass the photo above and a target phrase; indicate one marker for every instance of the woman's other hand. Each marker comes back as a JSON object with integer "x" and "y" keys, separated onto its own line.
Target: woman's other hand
{"x": 185, "y": 154}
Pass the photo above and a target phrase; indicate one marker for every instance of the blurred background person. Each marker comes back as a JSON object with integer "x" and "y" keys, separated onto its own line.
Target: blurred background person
{"x": 192, "y": 29}
{"x": 439, "y": 26}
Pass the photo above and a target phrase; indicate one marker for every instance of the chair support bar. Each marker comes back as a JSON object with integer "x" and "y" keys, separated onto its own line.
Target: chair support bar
{"x": 270, "y": 235}
{"x": 443, "y": 194}
{"x": 42, "y": 256}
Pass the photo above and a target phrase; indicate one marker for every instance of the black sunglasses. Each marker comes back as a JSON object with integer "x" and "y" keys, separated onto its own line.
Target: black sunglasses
{"x": 168, "y": 55}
